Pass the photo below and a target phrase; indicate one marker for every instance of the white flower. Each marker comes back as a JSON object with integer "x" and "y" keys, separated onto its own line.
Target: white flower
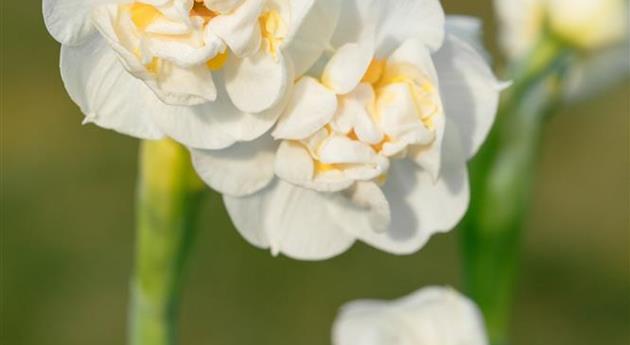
{"x": 597, "y": 28}
{"x": 430, "y": 316}
{"x": 206, "y": 73}
{"x": 373, "y": 143}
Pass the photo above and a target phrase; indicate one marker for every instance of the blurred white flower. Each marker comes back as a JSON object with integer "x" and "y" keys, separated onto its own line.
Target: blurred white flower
{"x": 206, "y": 73}
{"x": 431, "y": 315}
{"x": 598, "y": 29}
{"x": 373, "y": 143}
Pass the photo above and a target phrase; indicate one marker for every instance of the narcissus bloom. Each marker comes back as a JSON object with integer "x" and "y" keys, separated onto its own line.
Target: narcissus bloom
{"x": 597, "y": 29}
{"x": 373, "y": 142}
{"x": 207, "y": 73}
{"x": 429, "y": 316}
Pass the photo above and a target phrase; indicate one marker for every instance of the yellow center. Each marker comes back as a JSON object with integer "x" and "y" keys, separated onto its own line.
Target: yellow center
{"x": 273, "y": 31}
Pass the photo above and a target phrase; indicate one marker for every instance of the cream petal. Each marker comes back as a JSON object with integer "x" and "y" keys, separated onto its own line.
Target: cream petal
{"x": 415, "y": 52}
{"x": 311, "y": 107}
{"x": 313, "y": 35}
{"x": 340, "y": 149}
{"x": 69, "y": 21}
{"x": 421, "y": 206}
{"x": 347, "y": 67}
{"x": 469, "y": 91}
{"x": 258, "y": 82}
{"x": 242, "y": 169}
{"x": 184, "y": 86}
{"x": 290, "y": 220}
{"x": 106, "y": 93}
{"x": 240, "y": 30}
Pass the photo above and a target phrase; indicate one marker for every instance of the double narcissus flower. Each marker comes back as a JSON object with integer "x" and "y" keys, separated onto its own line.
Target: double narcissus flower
{"x": 205, "y": 73}
{"x": 377, "y": 107}
{"x": 374, "y": 140}
{"x": 597, "y": 29}
{"x": 428, "y": 316}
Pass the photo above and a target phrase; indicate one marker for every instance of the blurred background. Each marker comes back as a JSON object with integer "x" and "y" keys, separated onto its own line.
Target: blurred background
{"x": 67, "y": 229}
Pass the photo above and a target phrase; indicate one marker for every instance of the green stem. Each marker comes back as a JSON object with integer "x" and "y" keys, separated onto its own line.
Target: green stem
{"x": 168, "y": 199}
{"x": 501, "y": 179}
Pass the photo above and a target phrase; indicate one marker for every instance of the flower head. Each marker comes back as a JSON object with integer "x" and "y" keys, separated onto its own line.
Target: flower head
{"x": 429, "y": 316}
{"x": 207, "y": 73}
{"x": 373, "y": 142}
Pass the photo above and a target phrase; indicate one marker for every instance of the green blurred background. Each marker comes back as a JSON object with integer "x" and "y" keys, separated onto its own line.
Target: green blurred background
{"x": 67, "y": 230}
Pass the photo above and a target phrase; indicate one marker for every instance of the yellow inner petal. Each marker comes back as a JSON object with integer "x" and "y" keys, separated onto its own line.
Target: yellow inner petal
{"x": 143, "y": 15}
{"x": 218, "y": 61}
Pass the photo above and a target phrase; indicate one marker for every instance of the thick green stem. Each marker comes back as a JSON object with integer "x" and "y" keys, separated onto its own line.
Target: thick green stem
{"x": 501, "y": 179}
{"x": 168, "y": 199}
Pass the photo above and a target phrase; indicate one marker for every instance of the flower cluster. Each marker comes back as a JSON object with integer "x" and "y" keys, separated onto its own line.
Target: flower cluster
{"x": 322, "y": 122}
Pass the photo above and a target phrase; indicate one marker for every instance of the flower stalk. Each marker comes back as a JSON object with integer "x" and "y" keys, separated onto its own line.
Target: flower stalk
{"x": 501, "y": 180}
{"x": 168, "y": 199}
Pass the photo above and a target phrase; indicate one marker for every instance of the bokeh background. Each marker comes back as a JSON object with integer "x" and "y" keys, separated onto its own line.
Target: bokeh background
{"x": 67, "y": 229}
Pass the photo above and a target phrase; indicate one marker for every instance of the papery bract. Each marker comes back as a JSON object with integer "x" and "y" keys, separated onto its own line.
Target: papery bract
{"x": 373, "y": 142}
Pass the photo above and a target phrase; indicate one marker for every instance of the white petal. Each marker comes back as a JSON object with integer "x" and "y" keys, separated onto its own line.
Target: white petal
{"x": 469, "y": 91}
{"x": 469, "y": 30}
{"x": 69, "y": 21}
{"x": 311, "y": 107}
{"x": 107, "y": 94}
{"x": 258, "y": 82}
{"x": 240, "y": 30}
{"x": 395, "y": 22}
{"x": 313, "y": 35}
{"x": 294, "y": 163}
{"x": 290, "y": 220}
{"x": 347, "y": 67}
{"x": 239, "y": 170}
{"x": 421, "y": 206}
{"x": 215, "y": 125}
{"x": 364, "y": 209}
{"x": 223, "y": 6}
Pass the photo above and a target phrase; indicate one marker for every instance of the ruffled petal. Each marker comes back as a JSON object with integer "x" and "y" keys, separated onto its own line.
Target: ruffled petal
{"x": 106, "y": 93}
{"x": 239, "y": 170}
{"x": 469, "y": 91}
{"x": 420, "y": 205}
{"x": 69, "y": 21}
{"x": 258, "y": 82}
{"x": 313, "y": 36}
{"x": 393, "y": 22}
{"x": 240, "y": 29}
{"x": 347, "y": 67}
{"x": 311, "y": 107}
{"x": 290, "y": 220}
